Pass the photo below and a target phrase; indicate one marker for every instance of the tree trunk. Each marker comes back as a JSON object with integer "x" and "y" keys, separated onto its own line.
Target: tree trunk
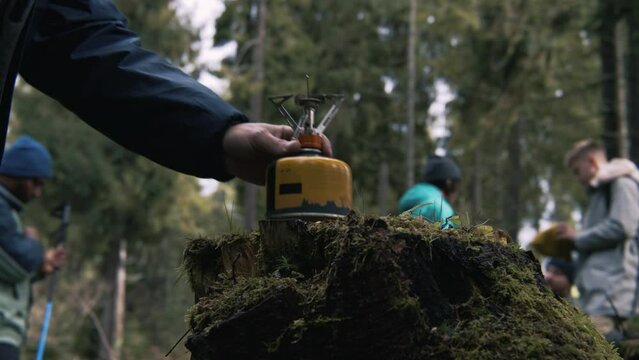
{"x": 607, "y": 54}
{"x": 113, "y": 304}
{"x": 120, "y": 302}
{"x": 410, "y": 94}
{"x": 106, "y": 319}
{"x": 107, "y": 304}
{"x": 511, "y": 199}
{"x": 383, "y": 189}
{"x": 250, "y": 190}
{"x": 622, "y": 103}
{"x": 633, "y": 80}
{"x": 476, "y": 186}
{"x": 250, "y": 206}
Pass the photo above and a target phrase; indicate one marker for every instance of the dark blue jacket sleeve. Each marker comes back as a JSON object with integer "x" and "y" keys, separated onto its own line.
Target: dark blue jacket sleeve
{"x": 26, "y": 252}
{"x": 82, "y": 54}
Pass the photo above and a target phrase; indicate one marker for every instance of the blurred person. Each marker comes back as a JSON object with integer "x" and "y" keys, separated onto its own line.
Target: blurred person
{"x": 432, "y": 197}
{"x": 560, "y": 275}
{"x": 25, "y": 167}
{"x": 81, "y": 53}
{"x": 607, "y": 254}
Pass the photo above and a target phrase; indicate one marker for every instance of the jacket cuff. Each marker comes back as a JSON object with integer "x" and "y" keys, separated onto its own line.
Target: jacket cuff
{"x": 235, "y": 119}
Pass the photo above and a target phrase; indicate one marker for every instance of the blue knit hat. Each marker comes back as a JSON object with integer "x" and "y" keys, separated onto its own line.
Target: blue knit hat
{"x": 26, "y": 158}
{"x": 440, "y": 168}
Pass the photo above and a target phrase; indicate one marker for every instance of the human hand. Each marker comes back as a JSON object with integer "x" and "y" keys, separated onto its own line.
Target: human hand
{"x": 250, "y": 147}
{"x": 31, "y": 232}
{"x": 565, "y": 232}
{"x": 53, "y": 260}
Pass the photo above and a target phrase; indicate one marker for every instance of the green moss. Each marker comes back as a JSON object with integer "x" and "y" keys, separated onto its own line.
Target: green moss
{"x": 532, "y": 322}
{"x": 235, "y": 297}
{"x": 205, "y": 259}
{"x": 389, "y": 283}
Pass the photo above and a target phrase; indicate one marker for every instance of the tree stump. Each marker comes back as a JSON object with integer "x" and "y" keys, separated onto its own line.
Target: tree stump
{"x": 377, "y": 288}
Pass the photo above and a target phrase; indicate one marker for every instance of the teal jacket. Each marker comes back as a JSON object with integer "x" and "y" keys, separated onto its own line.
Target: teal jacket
{"x": 428, "y": 201}
{"x": 20, "y": 259}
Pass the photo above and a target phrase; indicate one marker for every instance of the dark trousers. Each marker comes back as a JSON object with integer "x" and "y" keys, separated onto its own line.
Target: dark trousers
{"x": 9, "y": 352}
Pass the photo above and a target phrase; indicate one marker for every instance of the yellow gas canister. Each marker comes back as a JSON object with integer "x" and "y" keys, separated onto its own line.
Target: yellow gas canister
{"x": 308, "y": 186}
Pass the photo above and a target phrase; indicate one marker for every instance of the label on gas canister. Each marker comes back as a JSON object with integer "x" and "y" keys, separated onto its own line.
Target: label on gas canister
{"x": 308, "y": 186}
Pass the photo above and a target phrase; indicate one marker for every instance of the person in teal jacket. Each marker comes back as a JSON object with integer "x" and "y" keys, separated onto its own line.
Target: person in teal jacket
{"x": 25, "y": 167}
{"x": 432, "y": 197}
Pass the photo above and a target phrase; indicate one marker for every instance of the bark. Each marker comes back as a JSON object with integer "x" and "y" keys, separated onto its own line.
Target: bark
{"x": 633, "y": 80}
{"x": 250, "y": 206}
{"x": 383, "y": 189}
{"x": 476, "y": 185}
{"x": 607, "y": 54}
{"x": 107, "y": 304}
{"x": 512, "y": 196}
{"x": 411, "y": 96}
{"x": 120, "y": 301}
{"x": 622, "y": 102}
{"x": 256, "y": 104}
{"x": 114, "y": 303}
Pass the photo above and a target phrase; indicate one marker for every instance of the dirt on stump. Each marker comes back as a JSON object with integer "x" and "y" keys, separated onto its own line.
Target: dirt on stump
{"x": 377, "y": 288}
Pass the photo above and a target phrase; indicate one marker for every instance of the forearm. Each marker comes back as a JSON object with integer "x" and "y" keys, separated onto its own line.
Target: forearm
{"x": 620, "y": 224}
{"x": 94, "y": 65}
{"x": 606, "y": 234}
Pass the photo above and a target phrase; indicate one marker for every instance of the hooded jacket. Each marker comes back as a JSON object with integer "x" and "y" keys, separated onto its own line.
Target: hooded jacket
{"x": 608, "y": 255}
{"x": 81, "y": 53}
{"x": 20, "y": 260}
{"x": 427, "y": 200}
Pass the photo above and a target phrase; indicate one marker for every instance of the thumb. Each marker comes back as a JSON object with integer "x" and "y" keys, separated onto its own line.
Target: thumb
{"x": 274, "y": 146}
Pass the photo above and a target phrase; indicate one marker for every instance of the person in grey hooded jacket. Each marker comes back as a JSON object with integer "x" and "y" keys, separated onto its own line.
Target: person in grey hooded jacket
{"x": 606, "y": 246}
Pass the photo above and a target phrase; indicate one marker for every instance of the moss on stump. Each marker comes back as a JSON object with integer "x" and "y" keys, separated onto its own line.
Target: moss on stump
{"x": 377, "y": 288}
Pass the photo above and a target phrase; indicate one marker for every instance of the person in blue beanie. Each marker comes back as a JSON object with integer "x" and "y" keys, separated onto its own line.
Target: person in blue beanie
{"x": 560, "y": 275}
{"x": 431, "y": 198}
{"x": 25, "y": 167}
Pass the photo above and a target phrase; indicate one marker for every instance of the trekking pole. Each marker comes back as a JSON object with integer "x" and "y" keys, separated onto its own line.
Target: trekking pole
{"x": 64, "y": 217}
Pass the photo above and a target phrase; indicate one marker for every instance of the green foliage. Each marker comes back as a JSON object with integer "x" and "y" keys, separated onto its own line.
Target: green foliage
{"x": 160, "y": 29}
{"x": 509, "y": 62}
{"x": 340, "y": 46}
{"x": 518, "y": 61}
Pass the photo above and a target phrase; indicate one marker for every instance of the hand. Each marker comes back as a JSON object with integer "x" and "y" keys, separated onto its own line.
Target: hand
{"x": 250, "y": 147}
{"x": 31, "y": 232}
{"x": 565, "y": 232}
{"x": 53, "y": 260}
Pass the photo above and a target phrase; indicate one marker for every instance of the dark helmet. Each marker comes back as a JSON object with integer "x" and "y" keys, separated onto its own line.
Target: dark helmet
{"x": 440, "y": 168}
